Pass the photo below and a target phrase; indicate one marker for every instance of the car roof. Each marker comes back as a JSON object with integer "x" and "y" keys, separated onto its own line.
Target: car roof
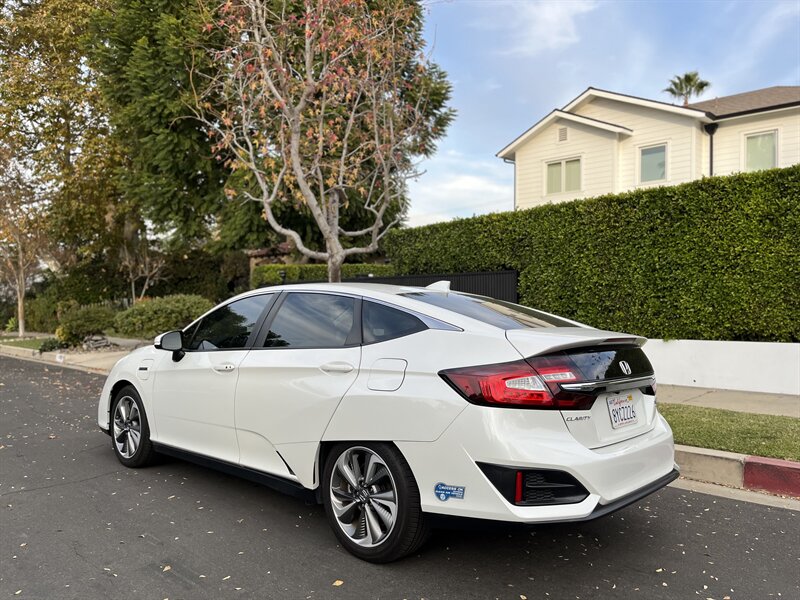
{"x": 348, "y": 288}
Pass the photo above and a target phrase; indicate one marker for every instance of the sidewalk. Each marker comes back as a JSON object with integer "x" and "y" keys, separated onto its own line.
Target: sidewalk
{"x": 700, "y": 464}
{"x": 99, "y": 361}
{"x": 749, "y": 402}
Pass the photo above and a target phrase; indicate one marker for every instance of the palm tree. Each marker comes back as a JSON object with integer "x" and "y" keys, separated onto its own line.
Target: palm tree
{"x": 687, "y": 85}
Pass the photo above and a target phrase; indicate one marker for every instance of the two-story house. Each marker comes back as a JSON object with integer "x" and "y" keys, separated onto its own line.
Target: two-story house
{"x": 604, "y": 142}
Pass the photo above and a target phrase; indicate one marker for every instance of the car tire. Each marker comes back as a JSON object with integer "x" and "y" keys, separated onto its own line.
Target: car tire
{"x": 372, "y": 501}
{"x": 130, "y": 432}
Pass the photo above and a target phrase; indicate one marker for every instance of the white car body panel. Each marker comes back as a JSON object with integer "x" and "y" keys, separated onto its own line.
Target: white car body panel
{"x": 531, "y": 439}
{"x": 127, "y": 370}
{"x": 424, "y": 405}
{"x": 272, "y": 410}
{"x": 287, "y": 396}
{"x": 195, "y": 410}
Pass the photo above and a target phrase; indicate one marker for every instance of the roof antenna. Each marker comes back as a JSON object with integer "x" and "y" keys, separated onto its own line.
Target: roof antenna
{"x": 439, "y": 286}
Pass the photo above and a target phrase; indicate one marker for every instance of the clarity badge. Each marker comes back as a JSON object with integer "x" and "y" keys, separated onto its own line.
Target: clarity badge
{"x": 444, "y": 492}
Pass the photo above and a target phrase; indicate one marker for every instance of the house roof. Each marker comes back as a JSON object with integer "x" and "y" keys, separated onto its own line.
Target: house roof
{"x": 707, "y": 111}
{"x": 509, "y": 151}
{"x": 592, "y": 92}
{"x": 778, "y": 96}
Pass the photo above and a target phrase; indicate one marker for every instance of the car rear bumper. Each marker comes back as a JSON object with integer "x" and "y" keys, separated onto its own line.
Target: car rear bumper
{"x": 614, "y": 476}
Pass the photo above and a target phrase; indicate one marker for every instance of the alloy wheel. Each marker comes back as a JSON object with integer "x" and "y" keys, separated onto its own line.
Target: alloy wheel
{"x": 363, "y": 496}
{"x": 127, "y": 427}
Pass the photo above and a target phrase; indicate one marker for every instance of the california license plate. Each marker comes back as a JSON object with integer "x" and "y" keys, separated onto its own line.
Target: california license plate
{"x": 622, "y": 410}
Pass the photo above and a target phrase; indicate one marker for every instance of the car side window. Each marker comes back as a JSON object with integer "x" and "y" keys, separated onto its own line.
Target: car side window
{"x": 229, "y": 326}
{"x": 381, "y": 323}
{"x": 312, "y": 321}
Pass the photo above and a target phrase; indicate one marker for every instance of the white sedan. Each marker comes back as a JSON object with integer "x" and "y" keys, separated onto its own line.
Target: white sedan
{"x": 393, "y": 406}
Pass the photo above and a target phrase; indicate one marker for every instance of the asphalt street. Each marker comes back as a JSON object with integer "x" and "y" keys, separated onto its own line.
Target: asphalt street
{"x": 76, "y": 524}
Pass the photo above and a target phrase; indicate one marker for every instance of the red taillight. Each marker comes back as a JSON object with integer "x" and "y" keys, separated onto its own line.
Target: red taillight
{"x": 515, "y": 383}
{"x": 524, "y": 384}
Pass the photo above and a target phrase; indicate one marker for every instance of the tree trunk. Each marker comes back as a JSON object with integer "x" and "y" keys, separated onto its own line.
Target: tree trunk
{"x": 335, "y": 268}
{"x": 21, "y": 309}
{"x": 335, "y": 254}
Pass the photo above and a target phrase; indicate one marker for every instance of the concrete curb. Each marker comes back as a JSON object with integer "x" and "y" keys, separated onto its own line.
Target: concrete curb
{"x": 49, "y": 358}
{"x": 739, "y": 471}
{"x": 772, "y": 475}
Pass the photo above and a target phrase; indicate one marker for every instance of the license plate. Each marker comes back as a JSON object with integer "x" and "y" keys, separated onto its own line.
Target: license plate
{"x": 622, "y": 410}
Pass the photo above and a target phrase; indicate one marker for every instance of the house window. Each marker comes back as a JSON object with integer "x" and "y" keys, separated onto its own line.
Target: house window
{"x": 761, "y": 151}
{"x": 653, "y": 163}
{"x": 564, "y": 176}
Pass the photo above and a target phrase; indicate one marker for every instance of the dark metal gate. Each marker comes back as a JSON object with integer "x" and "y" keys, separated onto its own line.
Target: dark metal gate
{"x": 495, "y": 284}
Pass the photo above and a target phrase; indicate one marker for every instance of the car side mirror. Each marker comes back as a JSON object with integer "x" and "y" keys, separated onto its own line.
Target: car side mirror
{"x": 172, "y": 341}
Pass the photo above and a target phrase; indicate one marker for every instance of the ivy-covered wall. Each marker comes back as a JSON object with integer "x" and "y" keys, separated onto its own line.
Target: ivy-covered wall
{"x": 717, "y": 258}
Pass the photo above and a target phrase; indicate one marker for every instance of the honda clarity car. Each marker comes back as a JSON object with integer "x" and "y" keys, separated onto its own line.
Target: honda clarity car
{"x": 394, "y": 406}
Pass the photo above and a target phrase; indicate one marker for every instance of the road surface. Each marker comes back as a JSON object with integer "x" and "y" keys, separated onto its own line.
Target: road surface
{"x": 75, "y": 524}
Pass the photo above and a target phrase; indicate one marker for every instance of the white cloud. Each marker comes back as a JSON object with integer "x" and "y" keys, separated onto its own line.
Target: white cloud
{"x": 540, "y": 26}
{"x": 462, "y": 189}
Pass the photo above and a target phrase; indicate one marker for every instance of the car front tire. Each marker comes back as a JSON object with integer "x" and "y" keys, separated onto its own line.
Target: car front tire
{"x": 130, "y": 433}
{"x": 372, "y": 501}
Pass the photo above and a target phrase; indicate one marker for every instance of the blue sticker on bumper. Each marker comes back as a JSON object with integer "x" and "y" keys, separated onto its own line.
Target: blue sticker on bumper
{"x": 444, "y": 492}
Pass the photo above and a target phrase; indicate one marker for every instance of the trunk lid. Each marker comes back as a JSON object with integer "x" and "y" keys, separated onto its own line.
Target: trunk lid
{"x": 612, "y": 368}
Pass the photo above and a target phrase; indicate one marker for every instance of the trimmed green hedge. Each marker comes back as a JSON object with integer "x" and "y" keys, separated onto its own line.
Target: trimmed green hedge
{"x": 80, "y": 322}
{"x": 149, "y": 318}
{"x": 717, "y": 258}
{"x": 270, "y": 274}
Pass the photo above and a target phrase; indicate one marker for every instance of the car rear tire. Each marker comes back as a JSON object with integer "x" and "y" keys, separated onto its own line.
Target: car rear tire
{"x": 130, "y": 433}
{"x": 372, "y": 501}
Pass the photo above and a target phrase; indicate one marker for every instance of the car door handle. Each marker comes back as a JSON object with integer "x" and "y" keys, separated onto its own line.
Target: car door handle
{"x": 337, "y": 367}
{"x": 224, "y": 367}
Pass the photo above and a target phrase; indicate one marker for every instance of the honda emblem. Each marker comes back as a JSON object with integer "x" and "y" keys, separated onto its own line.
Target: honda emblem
{"x": 626, "y": 368}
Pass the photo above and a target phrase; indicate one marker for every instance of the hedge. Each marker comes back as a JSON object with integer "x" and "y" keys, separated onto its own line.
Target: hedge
{"x": 80, "y": 322}
{"x": 270, "y": 274}
{"x": 149, "y": 318}
{"x": 717, "y": 258}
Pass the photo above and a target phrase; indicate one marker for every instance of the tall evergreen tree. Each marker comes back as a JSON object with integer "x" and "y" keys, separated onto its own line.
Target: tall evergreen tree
{"x": 143, "y": 52}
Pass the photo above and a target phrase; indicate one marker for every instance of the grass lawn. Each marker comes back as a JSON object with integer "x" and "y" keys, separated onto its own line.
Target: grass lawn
{"x": 31, "y": 344}
{"x": 745, "y": 433}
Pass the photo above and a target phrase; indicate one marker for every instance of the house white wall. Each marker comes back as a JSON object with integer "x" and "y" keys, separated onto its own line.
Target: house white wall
{"x": 610, "y": 162}
{"x": 595, "y": 147}
{"x": 729, "y": 140}
{"x": 650, "y": 127}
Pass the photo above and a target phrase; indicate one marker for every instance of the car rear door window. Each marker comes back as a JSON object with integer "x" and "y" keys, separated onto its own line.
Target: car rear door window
{"x": 381, "y": 323}
{"x": 313, "y": 321}
{"x": 229, "y": 327}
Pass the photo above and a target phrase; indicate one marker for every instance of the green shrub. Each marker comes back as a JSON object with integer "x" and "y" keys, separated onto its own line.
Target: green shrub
{"x": 51, "y": 344}
{"x": 41, "y": 313}
{"x": 215, "y": 276}
{"x": 149, "y": 318}
{"x": 264, "y": 275}
{"x": 77, "y": 323}
{"x": 12, "y": 325}
{"x": 717, "y": 258}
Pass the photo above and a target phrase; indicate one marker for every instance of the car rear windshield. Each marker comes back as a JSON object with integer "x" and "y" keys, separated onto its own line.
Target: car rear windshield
{"x": 505, "y": 315}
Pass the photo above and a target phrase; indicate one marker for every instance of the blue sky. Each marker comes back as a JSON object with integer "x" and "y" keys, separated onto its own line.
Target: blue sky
{"x": 513, "y": 61}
